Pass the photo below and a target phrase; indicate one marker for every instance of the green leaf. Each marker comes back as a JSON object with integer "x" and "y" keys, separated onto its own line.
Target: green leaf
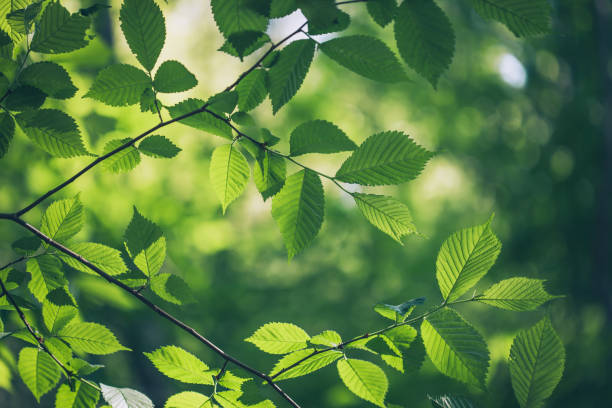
{"x": 54, "y": 131}
{"x": 279, "y": 338}
{"x": 148, "y": 102}
{"x": 20, "y": 20}
{"x": 56, "y": 317}
{"x": 59, "y": 31}
{"x": 176, "y": 363}
{"x": 26, "y": 245}
{"x": 522, "y": 17}
{"x": 233, "y": 16}
{"x": 159, "y": 147}
{"x": 171, "y": 288}
{"x": 146, "y": 244}
{"x": 298, "y": 210}
{"x": 282, "y": 8}
{"x": 324, "y": 16}
{"x": 7, "y": 130}
{"x": 61, "y": 296}
{"x": 119, "y": 85}
{"x": 464, "y": 258}
{"x": 123, "y": 161}
{"x": 398, "y": 313}
{"x": 364, "y": 379}
{"x": 229, "y": 173}
{"x": 7, "y": 7}
{"x": 366, "y": 56}
{"x": 203, "y": 121}
{"x": 319, "y": 136}
{"x": 83, "y": 396}
{"x": 46, "y": 276}
{"x": 327, "y": 338}
{"x": 518, "y": 294}
{"x": 382, "y": 11}
{"x": 189, "y": 399}
{"x": 224, "y": 102}
{"x": 269, "y": 173}
{"x": 125, "y": 397}
{"x": 387, "y": 214}
{"x": 287, "y": 75}
{"x": 244, "y": 43}
{"x": 537, "y": 359}
{"x": 63, "y": 219}
{"x": 308, "y": 366}
{"x": 172, "y": 76}
{"x": 243, "y": 119}
{"x": 50, "y": 78}
{"x": 92, "y": 338}
{"x": 106, "y": 258}
{"x": 425, "y": 38}
{"x": 24, "y": 97}
{"x": 144, "y": 28}
{"x": 455, "y": 348}
{"x": 83, "y": 368}
{"x": 383, "y": 159}
{"x": 38, "y": 371}
{"x": 450, "y": 401}
{"x": 252, "y": 90}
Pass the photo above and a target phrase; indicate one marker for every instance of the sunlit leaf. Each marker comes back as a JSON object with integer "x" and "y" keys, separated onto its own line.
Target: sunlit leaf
{"x": 83, "y": 396}
{"x": 119, "y": 85}
{"x": 181, "y": 365}
{"x": 159, "y": 147}
{"x": 38, "y": 371}
{"x": 279, "y": 338}
{"x": 172, "y": 76}
{"x": 288, "y": 73}
{"x": 229, "y": 173}
{"x": 92, "y": 338}
{"x": 59, "y": 31}
{"x": 364, "y": 379}
{"x": 518, "y": 294}
{"x": 144, "y": 28}
{"x": 146, "y": 244}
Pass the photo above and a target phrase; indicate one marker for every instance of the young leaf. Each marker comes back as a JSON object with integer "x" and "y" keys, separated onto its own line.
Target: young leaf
{"x": 146, "y": 244}
{"x": 61, "y": 296}
{"x": 298, "y": 210}
{"x": 382, "y": 11}
{"x": 319, "y": 136}
{"x": 387, "y": 214}
{"x": 56, "y": 317}
{"x": 189, "y": 399}
{"x": 252, "y": 90}
{"x": 327, "y": 338}
{"x": 144, "y": 28}
{"x": 279, "y": 338}
{"x": 229, "y": 173}
{"x": 456, "y": 348}
{"x": 54, "y": 131}
{"x": 287, "y": 75}
{"x": 172, "y": 76}
{"x": 7, "y": 130}
{"x": 233, "y": 16}
{"x": 50, "y": 78}
{"x": 83, "y": 396}
{"x": 176, "y": 363}
{"x": 203, "y": 121}
{"x": 383, "y": 159}
{"x": 159, "y": 147}
{"x": 366, "y": 56}
{"x": 308, "y": 366}
{"x": 46, "y": 276}
{"x": 63, "y": 219}
{"x": 244, "y": 43}
{"x": 518, "y": 294}
{"x": 119, "y": 85}
{"x": 537, "y": 358}
{"x": 125, "y": 397}
{"x": 123, "y": 161}
{"x": 38, "y": 371}
{"x": 171, "y": 288}
{"x": 106, "y": 258}
{"x": 450, "y": 401}
{"x": 364, "y": 379}
{"x": 59, "y": 31}
{"x": 92, "y": 338}
{"x": 269, "y": 173}
{"x": 522, "y": 17}
{"x": 398, "y": 313}
{"x": 464, "y": 258}
{"x": 425, "y": 38}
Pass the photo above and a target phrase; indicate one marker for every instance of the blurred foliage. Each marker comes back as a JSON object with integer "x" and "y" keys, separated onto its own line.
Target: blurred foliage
{"x": 531, "y": 149}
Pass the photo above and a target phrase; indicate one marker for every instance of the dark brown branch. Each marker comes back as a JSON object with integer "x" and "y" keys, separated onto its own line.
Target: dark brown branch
{"x": 156, "y": 309}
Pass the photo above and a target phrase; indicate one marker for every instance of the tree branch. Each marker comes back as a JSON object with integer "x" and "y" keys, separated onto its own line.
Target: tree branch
{"x": 135, "y": 293}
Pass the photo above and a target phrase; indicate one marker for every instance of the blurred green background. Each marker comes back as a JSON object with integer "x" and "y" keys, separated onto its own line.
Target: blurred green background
{"x": 522, "y": 129}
